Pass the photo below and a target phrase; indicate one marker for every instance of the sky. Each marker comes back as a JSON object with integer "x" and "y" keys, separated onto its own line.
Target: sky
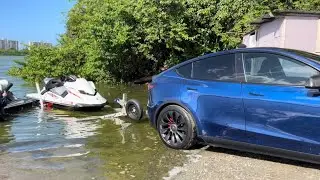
{"x": 33, "y": 20}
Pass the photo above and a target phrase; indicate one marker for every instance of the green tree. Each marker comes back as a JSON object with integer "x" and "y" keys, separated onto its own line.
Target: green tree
{"x": 43, "y": 61}
{"x": 121, "y": 40}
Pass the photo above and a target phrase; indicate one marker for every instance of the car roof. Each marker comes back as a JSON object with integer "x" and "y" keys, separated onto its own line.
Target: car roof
{"x": 274, "y": 50}
{"x": 242, "y": 50}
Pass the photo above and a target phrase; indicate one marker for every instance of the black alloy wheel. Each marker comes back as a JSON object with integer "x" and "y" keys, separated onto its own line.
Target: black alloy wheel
{"x": 176, "y": 127}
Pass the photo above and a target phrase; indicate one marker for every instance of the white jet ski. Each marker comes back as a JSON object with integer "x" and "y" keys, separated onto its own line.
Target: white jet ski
{"x": 9, "y": 104}
{"x": 70, "y": 93}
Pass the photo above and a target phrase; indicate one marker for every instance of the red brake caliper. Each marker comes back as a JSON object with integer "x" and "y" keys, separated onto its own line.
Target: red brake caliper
{"x": 170, "y": 122}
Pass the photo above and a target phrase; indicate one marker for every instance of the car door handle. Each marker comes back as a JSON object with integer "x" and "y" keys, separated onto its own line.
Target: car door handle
{"x": 192, "y": 89}
{"x": 255, "y": 94}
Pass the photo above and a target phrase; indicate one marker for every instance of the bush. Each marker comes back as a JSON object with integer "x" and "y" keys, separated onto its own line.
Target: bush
{"x": 122, "y": 40}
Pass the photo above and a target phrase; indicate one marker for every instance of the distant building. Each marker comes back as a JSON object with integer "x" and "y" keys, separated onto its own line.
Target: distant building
{"x": 9, "y": 44}
{"x": 41, "y": 43}
{"x": 2, "y": 44}
{"x": 286, "y": 29}
{"x": 13, "y": 45}
{"x": 47, "y": 44}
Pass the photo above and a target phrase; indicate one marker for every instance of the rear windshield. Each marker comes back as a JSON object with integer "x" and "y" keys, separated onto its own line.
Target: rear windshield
{"x": 311, "y": 56}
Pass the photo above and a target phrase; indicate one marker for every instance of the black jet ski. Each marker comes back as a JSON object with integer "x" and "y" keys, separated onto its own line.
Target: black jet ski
{"x": 9, "y": 104}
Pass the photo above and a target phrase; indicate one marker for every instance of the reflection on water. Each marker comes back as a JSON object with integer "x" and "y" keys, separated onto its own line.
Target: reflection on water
{"x": 4, "y": 133}
{"x": 118, "y": 148}
{"x": 64, "y": 145}
{"x": 36, "y": 131}
{"x": 142, "y": 155}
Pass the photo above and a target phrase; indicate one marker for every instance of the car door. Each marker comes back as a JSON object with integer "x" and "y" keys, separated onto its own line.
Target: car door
{"x": 280, "y": 112}
{"x": 213, "y": 92}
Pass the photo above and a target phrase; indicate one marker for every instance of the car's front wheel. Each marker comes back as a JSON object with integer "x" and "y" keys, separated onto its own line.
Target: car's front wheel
{"x": 176, "y": 127}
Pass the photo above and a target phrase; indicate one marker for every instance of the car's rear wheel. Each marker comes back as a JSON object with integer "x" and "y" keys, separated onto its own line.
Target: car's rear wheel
{"x": 176, "y": 127}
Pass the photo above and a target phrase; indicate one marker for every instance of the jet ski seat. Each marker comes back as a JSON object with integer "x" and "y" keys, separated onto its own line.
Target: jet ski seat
{"x": 55, "y": 86}
{"x": 51, "y": 83}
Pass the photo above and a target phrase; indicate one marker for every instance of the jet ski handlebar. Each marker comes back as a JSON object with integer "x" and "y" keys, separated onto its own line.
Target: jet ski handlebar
{"x": 8, "y": 87}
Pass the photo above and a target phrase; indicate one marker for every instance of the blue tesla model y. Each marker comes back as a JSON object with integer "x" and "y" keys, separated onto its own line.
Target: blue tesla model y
{"x": 262, "y": 100}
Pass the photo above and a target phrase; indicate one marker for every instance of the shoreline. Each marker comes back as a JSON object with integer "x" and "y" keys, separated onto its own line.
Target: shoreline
{"x": 12, "y": 55}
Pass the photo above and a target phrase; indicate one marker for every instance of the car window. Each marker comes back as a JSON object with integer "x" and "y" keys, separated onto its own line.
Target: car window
{"x": 275, "y": 69}
{"x": 185, "y": 70}
{"x": 215, "y": 68}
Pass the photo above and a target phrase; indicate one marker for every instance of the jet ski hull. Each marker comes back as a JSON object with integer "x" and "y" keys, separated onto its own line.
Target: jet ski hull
{"x": 9, "y": 104}
{"x": 70, "y": 93}
{"x": 69, "y": 106}
{"x": 17, "y": 106}
{"x": 83, "y": 107}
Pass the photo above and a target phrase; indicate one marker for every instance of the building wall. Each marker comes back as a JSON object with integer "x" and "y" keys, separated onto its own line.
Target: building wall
{"x": 250, "y": 40}
{"x": 318, "y": 38}
{"x": 301, "y": 33}
{"x": 245, "y": 39}
{"x": 270, "y": 34}
{"x": 292, "y": 32}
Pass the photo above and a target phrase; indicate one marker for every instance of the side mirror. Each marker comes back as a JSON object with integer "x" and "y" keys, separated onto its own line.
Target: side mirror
{"x": 313, "y": 82}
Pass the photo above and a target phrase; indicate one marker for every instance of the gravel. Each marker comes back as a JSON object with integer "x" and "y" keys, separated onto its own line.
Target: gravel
{"x": 219, "y": 163}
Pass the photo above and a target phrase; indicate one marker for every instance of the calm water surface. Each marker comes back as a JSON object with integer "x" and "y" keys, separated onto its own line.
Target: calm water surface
{"x": 59, "y": 144}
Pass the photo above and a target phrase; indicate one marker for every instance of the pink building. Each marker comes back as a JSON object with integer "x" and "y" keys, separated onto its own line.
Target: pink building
{"x": 286, "y": 29}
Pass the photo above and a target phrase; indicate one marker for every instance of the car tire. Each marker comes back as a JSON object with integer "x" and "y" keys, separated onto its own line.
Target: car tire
{"x": 176, "y": 127}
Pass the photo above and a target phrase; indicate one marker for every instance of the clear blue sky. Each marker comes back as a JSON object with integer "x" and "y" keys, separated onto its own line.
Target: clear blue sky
{"x": 33, "y": 20}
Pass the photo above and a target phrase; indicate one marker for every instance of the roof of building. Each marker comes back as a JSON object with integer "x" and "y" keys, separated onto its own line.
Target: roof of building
{"x": 271, "y": 16}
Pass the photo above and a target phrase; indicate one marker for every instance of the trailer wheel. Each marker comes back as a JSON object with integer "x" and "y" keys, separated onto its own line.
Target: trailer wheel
{"x": 134, "y": 109}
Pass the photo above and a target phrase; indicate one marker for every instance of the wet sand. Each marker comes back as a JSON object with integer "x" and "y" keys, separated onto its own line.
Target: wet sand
{"x": 4, "y": 169}
{"x": 15, "y": 168}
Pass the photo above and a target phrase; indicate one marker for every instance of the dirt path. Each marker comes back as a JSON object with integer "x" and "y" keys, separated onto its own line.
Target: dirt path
{"x": 4, "y": 169}
{"x": 222, "y": 164}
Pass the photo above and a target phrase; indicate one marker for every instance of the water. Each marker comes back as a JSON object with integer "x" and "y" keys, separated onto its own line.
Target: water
{"x": 59, "y": 144}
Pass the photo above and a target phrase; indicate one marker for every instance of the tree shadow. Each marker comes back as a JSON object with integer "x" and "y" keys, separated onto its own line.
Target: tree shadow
{"x": 263, "y": 157}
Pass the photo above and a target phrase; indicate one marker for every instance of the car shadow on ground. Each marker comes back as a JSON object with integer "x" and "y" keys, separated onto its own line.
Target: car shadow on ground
{"x": 263, "y": 157}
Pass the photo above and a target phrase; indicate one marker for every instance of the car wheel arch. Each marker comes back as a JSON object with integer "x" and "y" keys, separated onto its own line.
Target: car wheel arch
{"x": 185, "y": 107}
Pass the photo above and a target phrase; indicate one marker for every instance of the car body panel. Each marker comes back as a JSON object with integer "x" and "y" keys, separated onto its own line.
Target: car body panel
{"x": 218, "y": 106}
{"x": 272, "y": 118}
{"x": 167, "y": 88}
